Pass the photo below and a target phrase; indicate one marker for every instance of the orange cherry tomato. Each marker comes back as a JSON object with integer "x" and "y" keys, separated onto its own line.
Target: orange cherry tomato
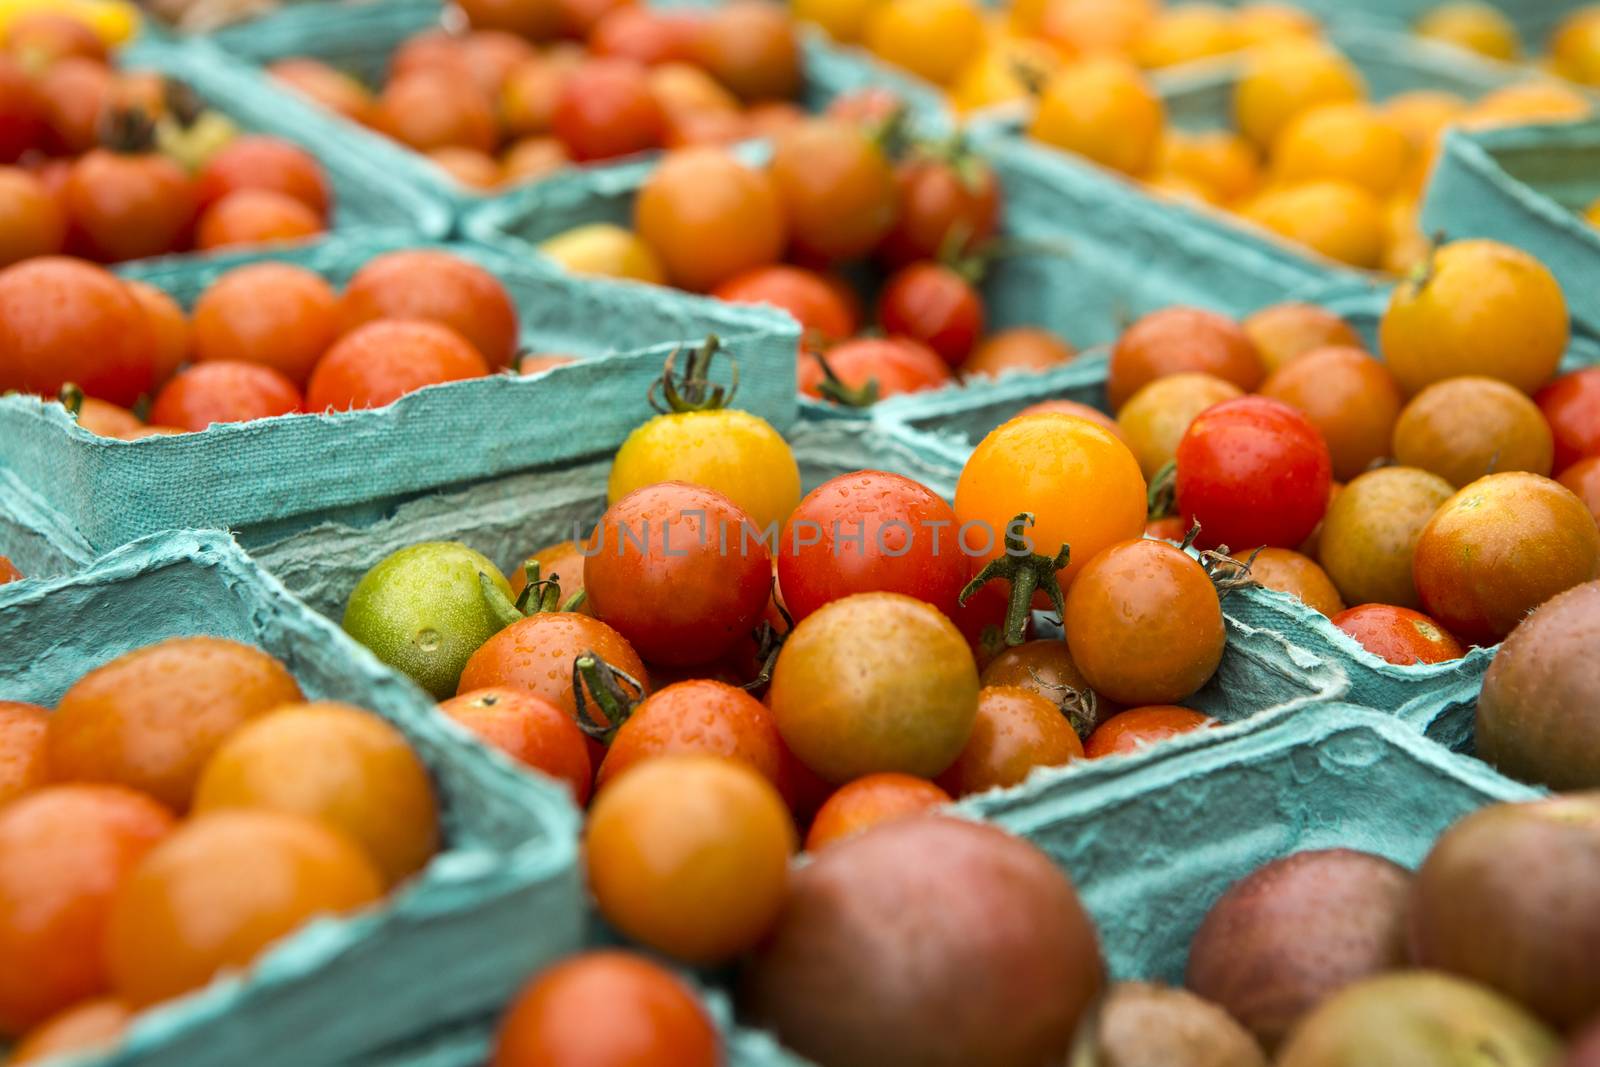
{"x": 129, "y": 206}
{"x": 32, "y": 222}
{"x": 333, "y": 89}
{"x": 275, "y": 314}
{"x": 645, "y": 36}
{"x": 88, "y": 1025}
{"x": 701, "y": 717}
{"x": 605, "y": 109}
{"x": 709, "y": 217}
{"x": 1076, "y": 410}
{"x": 432, "y": 108}
{"x": 535, "y": 656}
{"x": 1137, "y": 728}
{"x": 253, "y": 217}
{"x": 63, "y": 320}
{"x": 1177, "y": 341}
{"x": 169, "y": 326}
{"x": 869, "y": 369}
{"x": 434, "y": 285}
{"x": 1399, "y": 635}
{"x": 837, "y": 188}
{"x": 1016, "y": 731}
{"x": 254, "y": 162}
{"x": 223, "y": 391}
{"x": 383, "y": 361}
{"x": 22, "y": 748}
{"x": 1019, "y": 348}
{"x": 868, "y": 801}
{"x": 605, "y": 1008}
{"x": 753, "y": 48}
{"x": 529, "y": 729}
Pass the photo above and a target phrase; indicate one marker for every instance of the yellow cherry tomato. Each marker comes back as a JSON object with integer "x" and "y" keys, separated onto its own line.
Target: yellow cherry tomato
{"x": 606, "y": 250}
{"x": 1103, "y": 109}
{"x": 934, "y": 39}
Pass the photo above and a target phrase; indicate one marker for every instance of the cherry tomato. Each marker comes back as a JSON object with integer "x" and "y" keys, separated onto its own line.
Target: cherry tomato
{"x": 32, "y": 222}
{"x": 76, "y": 94}
{"x": 751, "y": 46}
{"x": 531, "y": 158}
{"x": 63, "y": 320}
{"x": 130, "y": 206}
{"x": 945, "y": 209}
{"x": 1398, "y": 635}
{"x": 709, "y": 217}
{"x": 605, "y": 109}
{"x": 870, "y": 532}
{"x": 535, "y": 656}
{"x": 1253, "y": 472}
{"x": 871, "y": 368}
{"x": 275, "y": 314}
{"x": 22, "y": 112}
{"x": 1291, "y": 572}
{"x": 432, "y": 108}
{"x": 678, "y": 570}
{"x": 1463, "y": 428}
{"x": 266, "y": 163}
{"x": 384, "y": 360}
{"x": 447, "y": 289}
{"x": 1499, "y": 548}
{"x": 1078, "y": 480}
{"x": 697, "y": 717}
{"x": 106, "y": 420}
{"x": 1571, "y": 403}
{"x": 331, "y": 88}
{"x": 982, "y": 621}
{"x": 563, "y": 563}
{"x": 493, "y": 55}
{"x": 223, "y": 391}
{"x": 603, "y": 1008}
{"x": 871, "y": 106}
{"x": 44, "y": 38}
{"x": 1283, "y": 332}
{"x": 645, "y": 36}
{"x": 23, "y": 763}
{"x": 529, "y": 729}
{"x": 837, "y": 188}
{"x": 1139, "y": 727}
{"x": 168, "y": 325}
{"x": 875, "y": 682}
{"x": 1348, "y": 396}
{"x": 253, "y": 217}
{"x": 690, "y": 855}
{"x": 869, "y": 801}
{"x": 1020, "y": 348}
{"x": 1045, "y": 667}
{"x": 1144, "y": 623}
{"x": 9, "y": 571}
{"x": 1016, "y": 731}
{"x": 933, "y": 304}
{"x": 813, "y": 300}
{"x": 1583, "y": 478}
{"x": 89, "y": 1025}
{"x": 435, "y": 50}
{"x": 528, "y": 97}
{"x": 1177, "y": 341}
{"x": 537, "y": 20}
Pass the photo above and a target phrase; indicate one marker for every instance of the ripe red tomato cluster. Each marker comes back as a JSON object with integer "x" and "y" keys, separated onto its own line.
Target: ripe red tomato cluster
{"x": 265, "y": 339}
{"x": 536, "y": 86}
{"x": 112, "y": 166}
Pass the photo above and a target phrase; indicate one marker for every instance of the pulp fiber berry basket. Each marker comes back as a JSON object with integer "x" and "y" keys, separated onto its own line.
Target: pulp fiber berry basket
{"x": 266, "y": 477}
{"x": 1092, "y": 252}
{"x": 501, "y": 899}
{"x": 358, "y": 38}
{"x": 1535, "y": 20}
{"x": 366, "y": 195}
{"x": 1527, "y": 186}
{"x": 1322, "y": 776}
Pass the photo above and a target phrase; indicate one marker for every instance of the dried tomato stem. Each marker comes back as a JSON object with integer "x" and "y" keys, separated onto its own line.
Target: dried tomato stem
{"x": 693, "y": 389}
{"x": 861, "y": 396}
{"x": 605, "y": 687}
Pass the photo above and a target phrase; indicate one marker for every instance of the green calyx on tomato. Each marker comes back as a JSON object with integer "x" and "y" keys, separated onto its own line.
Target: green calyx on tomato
{"x": 860, "y": 396}
{"x": 692, "y": 389}
{"x": 1027, "y": 572}
{"x": 609, "y": 687}
{"x": 540, "y": 594}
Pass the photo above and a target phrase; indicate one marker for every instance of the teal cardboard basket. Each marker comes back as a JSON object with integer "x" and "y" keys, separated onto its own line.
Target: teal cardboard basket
{"x": 1535, "y": 20}
{"x": 1151, "y": 844}
{"x": 1526, "y": 186}
{"x": 366, "y": 194}
{"x": 501, "y": 899}
{"x": 359, "y": 38}
{"x": 265, "y": 477}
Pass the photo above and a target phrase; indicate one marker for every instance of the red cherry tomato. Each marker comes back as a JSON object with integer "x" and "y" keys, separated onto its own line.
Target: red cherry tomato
{"x": 646, "y": 36}
{"x": 130, "y": 206}
{"x": 223, "y": 391}
{"x": 606, "y": 109}
{"x": 531, "y": 730}
{"x": 875, "y": 367}
{"x": 678, "y": 570}
{"x": 866, "y": 107}
{"x": 380, "y": 362}
{"x": 1253, "y": 472}
{"x": 933, "y": 304}
{"x": 697, "y": 717}
{"x": 266, "y": 163}
{"x": 943, "y": 209}
{"x": 1399, "y": 635}
{"x": 870, "y": 532}
{"x": 63, "y": 320}
{"x": 1571, "y": 404}
{"x": 1135, "y": 728}
{"x": 813, "y": 299}
{"x": 22, "y": 113}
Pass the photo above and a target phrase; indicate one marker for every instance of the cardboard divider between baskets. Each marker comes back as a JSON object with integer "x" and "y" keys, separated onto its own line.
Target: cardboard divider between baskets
{"x": 1526, "y": 186}
{"x": 294, "y": 470}
{"x": 502, "y": 898}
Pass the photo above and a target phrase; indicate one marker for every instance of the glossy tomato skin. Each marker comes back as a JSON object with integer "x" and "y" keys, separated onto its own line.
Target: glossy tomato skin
{"x": 1019, "y": 348}
{"x": 129, "y": 207}
{"x": 811, "y": 298}
{"x": 933, "y": 304}
{"x": 384, "y": 360}
{"x": 529, "y": 729}
{"x": 535, "y": 656}
{"x": 1253, "y": 472}
{"x": 1138, "y": 727}
{"x": 1571, "y": 404}
{"x": 276, "y": 314}
{"x": 429, "y": 284}
{"x": 603, "y": 1009}
{"x": 1144, "y": 623}
{"x": 1079, "y": 481}
{"x": 897, "y": 364}
{"x": 697, "y": 717}
{"x": 678, "y": 570}
{"x": 606, "y": 109}
{"x": 266, "y": 163}
{"x": 709, "y": 217}
{"x": 1583, "y": 478}
{"x": 870, "y": 532}
{"x": 1015, "y": 732}
{"x": 32, "y": 222}
{"x": 868, "y": 801}
{"x": 253, "y": 217}
{"x": 942, "y": 210}
{"x": 1398, "y": 635}
{"x": 223, "y": 391}
{"x": 837, "y": 189}
{"x": 1181, "y": 340}
{"x": 63, "y": 320}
